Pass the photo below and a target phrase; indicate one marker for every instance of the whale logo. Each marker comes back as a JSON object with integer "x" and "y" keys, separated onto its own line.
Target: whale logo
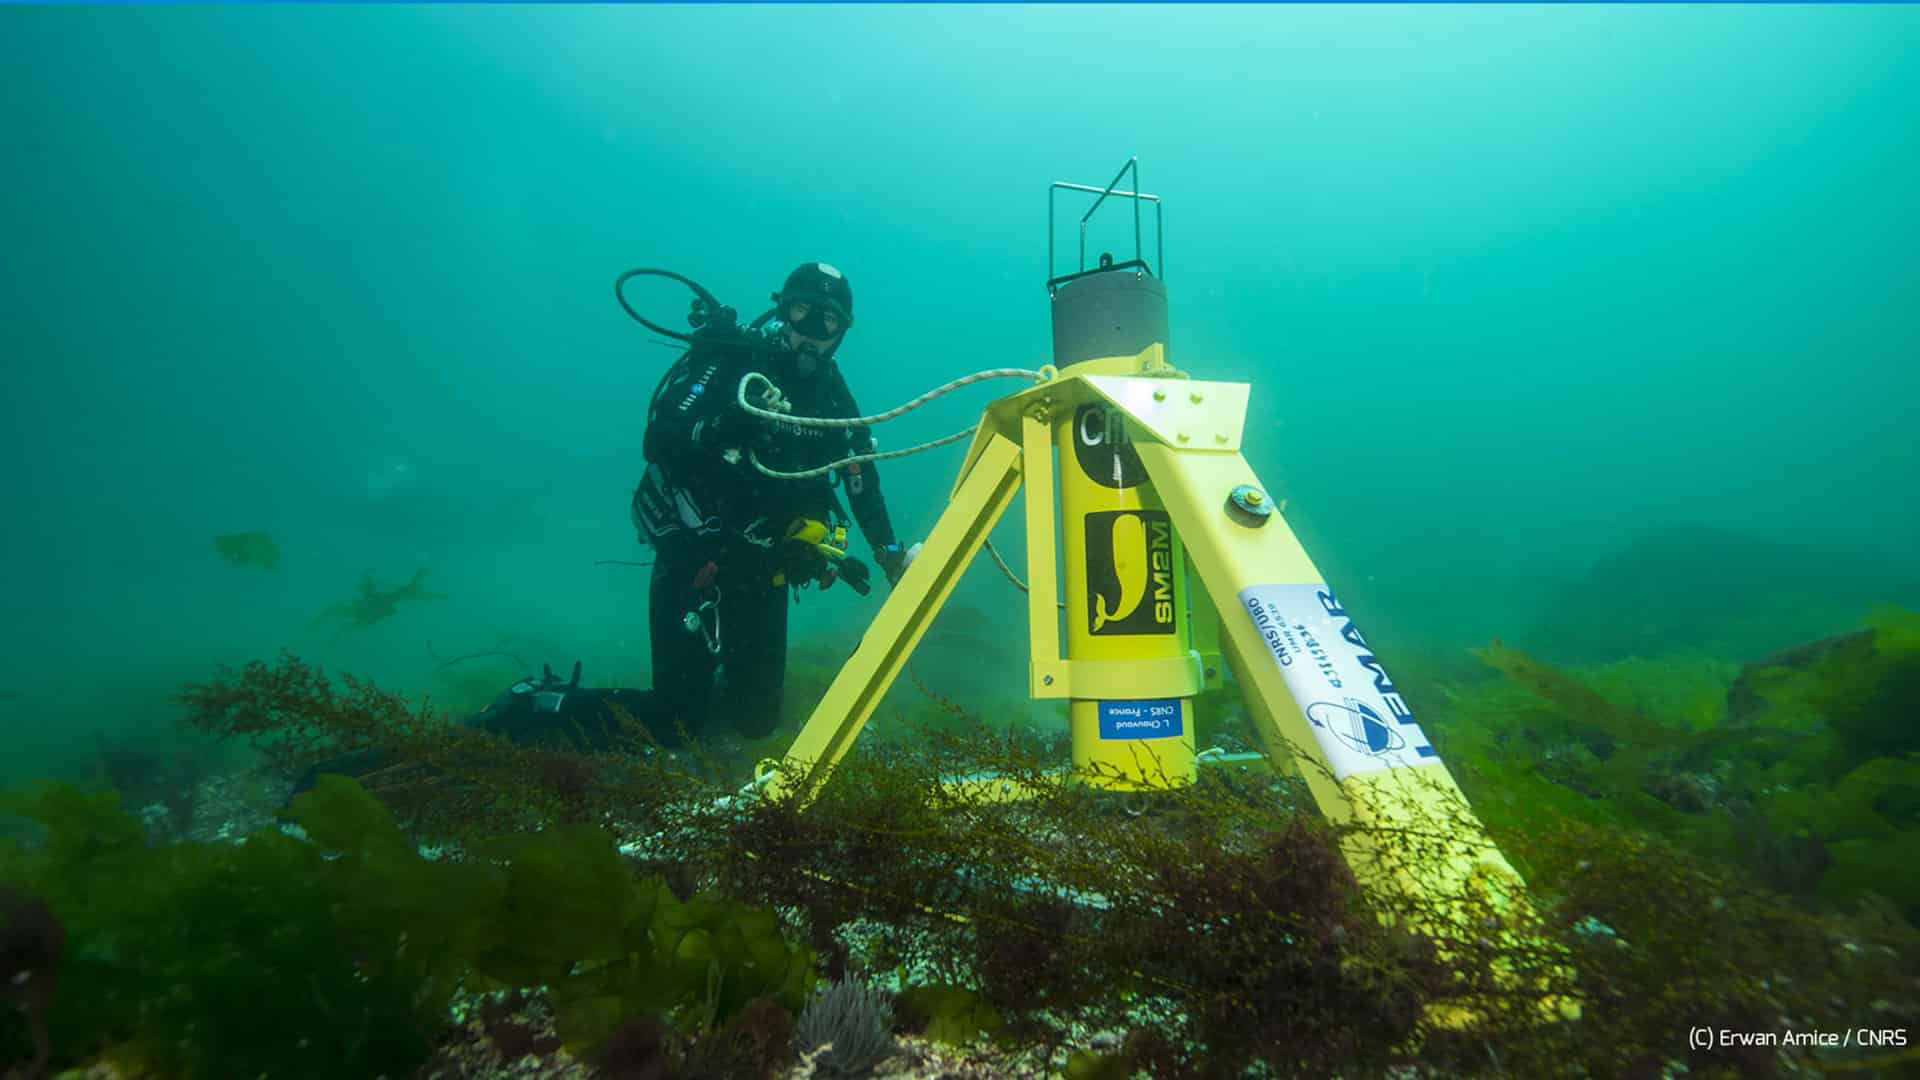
{"x": 1130, "y": 572}
{"x": 1129, "y": 539}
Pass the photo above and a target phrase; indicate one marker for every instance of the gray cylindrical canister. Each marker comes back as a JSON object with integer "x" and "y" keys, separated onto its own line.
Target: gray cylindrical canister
{"x": 1116, "y": 312}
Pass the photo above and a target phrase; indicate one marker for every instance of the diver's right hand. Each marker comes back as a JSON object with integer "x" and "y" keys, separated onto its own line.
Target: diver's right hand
{"x": 855, "y": 574}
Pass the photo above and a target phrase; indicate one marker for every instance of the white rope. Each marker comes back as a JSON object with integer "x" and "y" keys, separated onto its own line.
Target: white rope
{"x": 1004, "y": 568}
{"x": 777, "y": 407}
{"x": 856, "y": 459}
{"x": 1011, "y": 576}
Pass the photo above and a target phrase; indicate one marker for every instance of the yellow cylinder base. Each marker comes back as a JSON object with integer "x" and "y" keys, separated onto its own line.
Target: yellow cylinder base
{"x": 1134, "y": 745}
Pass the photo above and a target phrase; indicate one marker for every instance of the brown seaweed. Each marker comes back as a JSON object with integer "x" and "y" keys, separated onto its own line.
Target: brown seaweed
{"x": 1577, "y": 700}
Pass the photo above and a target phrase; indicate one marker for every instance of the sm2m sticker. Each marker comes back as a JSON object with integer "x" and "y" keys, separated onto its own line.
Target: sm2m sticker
{"x": 1129, "y": 572}
{"x": 1155, "y": 719}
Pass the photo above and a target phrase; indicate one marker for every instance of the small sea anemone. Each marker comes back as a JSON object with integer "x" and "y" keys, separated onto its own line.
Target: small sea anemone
{"x": 856, "y": 1020}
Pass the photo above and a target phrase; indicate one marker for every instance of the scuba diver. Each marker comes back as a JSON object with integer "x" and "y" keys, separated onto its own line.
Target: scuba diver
{"x": 731, "y": 542}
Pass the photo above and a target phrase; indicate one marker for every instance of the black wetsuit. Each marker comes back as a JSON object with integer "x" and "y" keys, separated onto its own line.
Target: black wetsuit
{"x": 716, "y": 526}
{"x": 718, "y": 544}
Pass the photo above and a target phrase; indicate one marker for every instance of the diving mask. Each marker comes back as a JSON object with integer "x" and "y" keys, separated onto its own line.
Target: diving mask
{"x": 821, "y": 322}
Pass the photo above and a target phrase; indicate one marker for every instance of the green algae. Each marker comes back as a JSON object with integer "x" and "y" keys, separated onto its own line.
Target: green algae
{"x": 1803, "y": 768}
{"x": 1226, "y": 913}
{"x": 338, "y": 954}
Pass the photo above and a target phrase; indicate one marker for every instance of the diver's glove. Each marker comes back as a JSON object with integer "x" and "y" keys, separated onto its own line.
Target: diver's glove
{"x": 893, "y": 560}
{"x": 801, "y": 565}
{"x": 816, "y": 550}
{"x": 856, "y": 575}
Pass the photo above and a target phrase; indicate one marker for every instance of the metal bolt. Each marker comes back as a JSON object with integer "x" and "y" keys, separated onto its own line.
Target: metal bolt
{"x": 1046, "y": 680}
{"x": 1159, "y": 395}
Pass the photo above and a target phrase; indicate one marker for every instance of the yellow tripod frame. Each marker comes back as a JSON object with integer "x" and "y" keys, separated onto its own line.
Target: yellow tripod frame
{"x": 1319, "y": 700}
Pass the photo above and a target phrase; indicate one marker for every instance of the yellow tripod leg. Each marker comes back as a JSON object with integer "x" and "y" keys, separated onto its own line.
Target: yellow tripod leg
{"x": 991, "y": 480}
{"x": 1315, "y": 688}
{"x": 1203, "y": 630}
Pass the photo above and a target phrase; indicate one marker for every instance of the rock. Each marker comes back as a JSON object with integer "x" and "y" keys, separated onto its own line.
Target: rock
{"x": 1695, "y": 589}
{"x": 1744, "y": 701}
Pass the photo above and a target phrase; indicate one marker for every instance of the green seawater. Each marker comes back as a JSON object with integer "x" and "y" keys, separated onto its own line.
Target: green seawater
{"x": 1590, "y": 330}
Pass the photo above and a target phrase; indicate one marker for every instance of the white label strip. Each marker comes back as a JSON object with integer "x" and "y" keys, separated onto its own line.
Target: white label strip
{"x": 1357, "y": 714}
